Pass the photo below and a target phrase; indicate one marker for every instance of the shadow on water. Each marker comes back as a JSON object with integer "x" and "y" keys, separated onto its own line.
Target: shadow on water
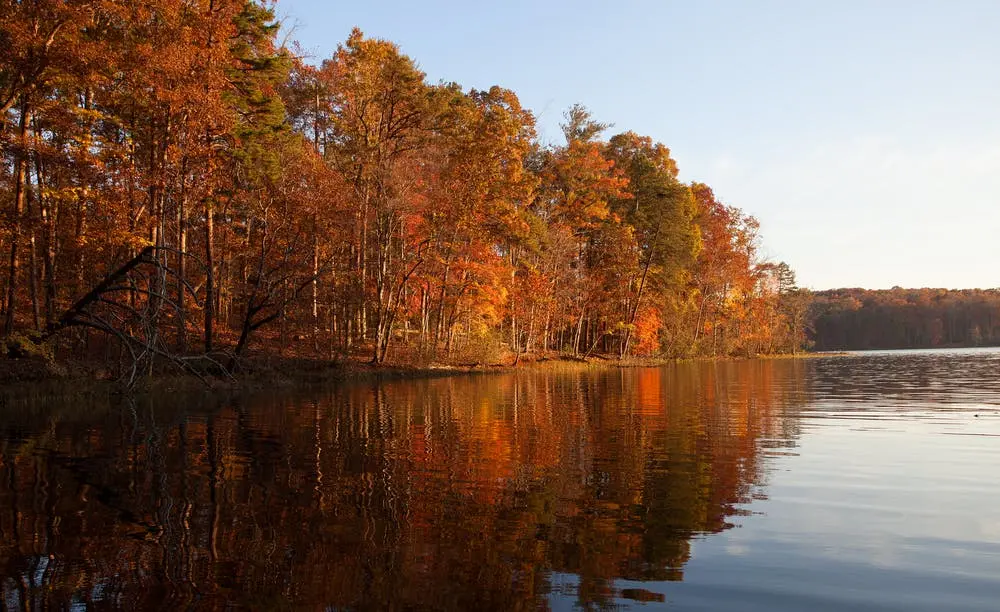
{"x": 459, "y": 493}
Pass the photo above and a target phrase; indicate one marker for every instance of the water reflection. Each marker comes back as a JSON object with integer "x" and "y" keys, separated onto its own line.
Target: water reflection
{"x": 461, "y": 493}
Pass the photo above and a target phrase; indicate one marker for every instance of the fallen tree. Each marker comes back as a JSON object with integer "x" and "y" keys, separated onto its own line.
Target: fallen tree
{"x": 136, "y": 321}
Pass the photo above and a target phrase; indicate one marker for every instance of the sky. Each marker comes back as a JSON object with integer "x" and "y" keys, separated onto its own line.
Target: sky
{"x": 863, "y": 134}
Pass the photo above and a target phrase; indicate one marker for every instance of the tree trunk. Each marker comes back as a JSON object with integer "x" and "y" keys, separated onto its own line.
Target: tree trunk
{"x": 315, "y": 281}
{"x": 531, "y": 329}
{"x": 49, "y": 212}
{"x": 439, "y": 328}
{"x": 545, "y": 334}
{"x": 182, "y": 262}
{"x": 209, "y": 275}
{"x": 638, "y": 299}
{"x": 32, "y": 260}
{"x": 20, "y": 172}
{"x": 579, "y": 330}
{"x": 363, "y": 271}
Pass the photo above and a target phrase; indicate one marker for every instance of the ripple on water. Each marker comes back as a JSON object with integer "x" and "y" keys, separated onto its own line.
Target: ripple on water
{"x": 860, "y": 482}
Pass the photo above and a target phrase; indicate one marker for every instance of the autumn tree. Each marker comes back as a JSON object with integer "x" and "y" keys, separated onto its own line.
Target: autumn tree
{"x": 474, "y": 220}
{"x": 350, "y": 203}
{"x": 47, "y": 45}
{"x": 662, "y": 211}
{"x": 793, "y": 307}
{"x": 577, "y": 185}
{"x": 382, "y": 117}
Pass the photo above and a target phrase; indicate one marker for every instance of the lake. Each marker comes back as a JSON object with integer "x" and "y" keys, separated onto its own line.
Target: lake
{"x": 865, "y": 482}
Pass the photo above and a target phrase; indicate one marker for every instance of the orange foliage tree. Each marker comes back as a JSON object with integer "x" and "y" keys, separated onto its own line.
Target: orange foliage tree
{"x": 346, "y": 209}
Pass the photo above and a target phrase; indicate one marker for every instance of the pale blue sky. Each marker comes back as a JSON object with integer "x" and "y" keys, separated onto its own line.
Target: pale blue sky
{"x": 865, "y": 135}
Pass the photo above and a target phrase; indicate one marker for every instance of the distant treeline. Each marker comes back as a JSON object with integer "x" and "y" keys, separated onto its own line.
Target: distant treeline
{"x": 904, "y": 318}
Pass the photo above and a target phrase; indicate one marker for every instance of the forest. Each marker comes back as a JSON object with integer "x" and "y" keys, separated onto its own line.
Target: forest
{"x": 180, "y": 187}
{"x": 898, "y": 318}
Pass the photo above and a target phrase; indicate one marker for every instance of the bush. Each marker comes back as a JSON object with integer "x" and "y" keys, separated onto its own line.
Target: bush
{"x": 29, "y": 345}
{"x": 484, "y": 346}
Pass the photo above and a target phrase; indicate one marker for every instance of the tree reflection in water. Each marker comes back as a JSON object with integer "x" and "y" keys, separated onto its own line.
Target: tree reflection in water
{"x": 457, "y": 493}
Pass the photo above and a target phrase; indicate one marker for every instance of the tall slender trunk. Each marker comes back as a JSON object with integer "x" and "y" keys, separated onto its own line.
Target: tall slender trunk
{"x": 209, "y": 274}
{"x": 638, "y": 296}
{"x": 223, "y": 281}
{"x": 579, "y": 330}
{"x": 48, "y": 209}
{"x": 363, "y": 271}
{"x": 701, "y": 314}
{"x": 20, "y": 186}
{"x": 548, "y": 325}
{"x": 315, "y": 280}
{"x": 182, "y": 261}
{"x": 531, "y": 329}
{"x": 80, "y": 237}
{"x": 36, "y": 314}
{"x": 209, "y": 232}
{"x": 315, "y": 229}
{"x": 439, "y": 328}
{"x": 424, "y": 316}
{"x": 514, "y": 340}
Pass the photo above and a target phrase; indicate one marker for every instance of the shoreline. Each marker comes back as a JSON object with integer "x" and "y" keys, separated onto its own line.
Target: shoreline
{"x": 38, "y": 375}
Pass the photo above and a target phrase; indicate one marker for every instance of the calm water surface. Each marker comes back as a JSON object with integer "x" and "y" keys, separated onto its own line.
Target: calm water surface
{"x": 864, "y": 482}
